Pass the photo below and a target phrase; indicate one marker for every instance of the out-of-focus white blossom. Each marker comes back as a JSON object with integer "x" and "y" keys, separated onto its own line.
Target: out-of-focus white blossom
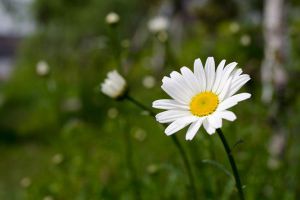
{"x": 245, "y": 40}
{"x": 112, "y": 18}
{"x": 112, "y": 113}
{"x": 42, "y": 68}
{"x": 234, "y": 27}
{"x": 57, "y": 158}
{"x": 72, "y": 104}
{"x": 152, "y": 168}
{"x": 48, "y": 198}
{"x": 158, "y": 24}
{"x": 114, "y": 85}
{"x": 25, "y": 182}
{"x": 149, "y": 82}
{"x": 140, "y": 134}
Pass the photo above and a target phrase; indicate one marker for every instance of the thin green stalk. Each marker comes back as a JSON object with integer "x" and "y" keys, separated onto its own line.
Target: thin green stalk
{"x": 140, "y": 105}
{"x": 116, "y": 46}
{"x": 232, "y": 163}
{"x": 187, "y": 165}
{"x": 131, "y": 167}
{"x": 176, "y": 143}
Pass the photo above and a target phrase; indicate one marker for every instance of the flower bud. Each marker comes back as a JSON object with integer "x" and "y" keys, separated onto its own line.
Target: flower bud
{"x": 114, "y": 85}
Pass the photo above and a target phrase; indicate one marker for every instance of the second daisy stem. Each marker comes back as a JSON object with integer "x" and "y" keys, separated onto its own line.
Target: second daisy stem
{"x": 187, "y": 165}
{"x": 178, "y": 146}
{"x": 232, "y": 163}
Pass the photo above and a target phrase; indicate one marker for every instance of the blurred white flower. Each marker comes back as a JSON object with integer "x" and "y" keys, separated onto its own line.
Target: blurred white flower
{"x": 245, "y": 40}
{"x": 72, "y": 104}
{"x": 112, "y": 113}
{"x": 114, "y": 85}
{"x": 25, "y": 182}
{"x": 140, "y": 134}
{"x": 57, "y": 158}
{"x": 148, "y": 82}
{"x": 202, "y": 97}
{"x": 234, "y": 27}
{"x": 42, "y": 68}
{"x": 48, "y": 198}
{"x": 158, "y": 24}
{"x": 152, "y": 168}
{"x": 112, "y": 18}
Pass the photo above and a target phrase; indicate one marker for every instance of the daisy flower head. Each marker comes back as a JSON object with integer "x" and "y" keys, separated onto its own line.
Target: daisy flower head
{"x": 202, "y": 97}
{"x": 114, "y": 85}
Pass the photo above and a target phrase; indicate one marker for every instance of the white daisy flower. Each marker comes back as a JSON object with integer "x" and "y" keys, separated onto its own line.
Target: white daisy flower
{"x": 114, "y": 85}
{"x": 201, "y": 97}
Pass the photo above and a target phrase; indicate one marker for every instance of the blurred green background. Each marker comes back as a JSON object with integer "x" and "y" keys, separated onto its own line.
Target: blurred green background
{"x": 60, "y": 138}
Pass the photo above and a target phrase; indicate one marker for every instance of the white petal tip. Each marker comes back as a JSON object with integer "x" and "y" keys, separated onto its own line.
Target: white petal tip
{"x": 189, "y": 138}
{"x": 211, "y": 133}
{"x": 247, "y": 96}
{"x": 154, "y": 104}
{"x": 168, "y": 133}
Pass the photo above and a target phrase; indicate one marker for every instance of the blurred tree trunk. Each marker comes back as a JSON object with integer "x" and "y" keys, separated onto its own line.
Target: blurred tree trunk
{"x": 273, "y": 73}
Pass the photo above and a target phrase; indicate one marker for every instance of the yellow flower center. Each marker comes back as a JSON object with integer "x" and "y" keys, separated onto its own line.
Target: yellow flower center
{"x": 204, "y": 104}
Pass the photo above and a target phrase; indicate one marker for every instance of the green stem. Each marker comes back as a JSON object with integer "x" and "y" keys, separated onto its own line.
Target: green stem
{"x": 232, "y": 163}
{"x": 178, "y": 146}
{"x": 140, "y": 105}
{"x": 186, "y": 164}
{"x": 135, "y": 182}
{"x": 116, "y": 46}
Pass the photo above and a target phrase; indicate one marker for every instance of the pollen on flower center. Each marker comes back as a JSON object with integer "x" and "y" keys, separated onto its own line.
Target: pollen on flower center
{"x": 204, "y": 104}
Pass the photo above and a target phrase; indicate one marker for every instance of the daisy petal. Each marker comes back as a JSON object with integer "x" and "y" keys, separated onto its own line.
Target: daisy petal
{"x": 174, "y": 92}
{"x": 179, "y": 124}
{"x": 215, "y": 120}
{"x": 239, "y": 84}
{"x": 232, "y": 101}
{"x": 171, "y": 115}
{"x": 168, "y": 104}
{"x": 225, "y": 89}
{"x": 210, "y": 72}
{"x": 219, "y": 73}
{"x": 228, "y": 115}
{"x": 190, "y": 79}
{"x": 200, "y": 74}
{"x": 226, "y": 73}
{"x": 209, "y": 129}
{"x": 193, "y": 129}
{"x": 179, "y": 82}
